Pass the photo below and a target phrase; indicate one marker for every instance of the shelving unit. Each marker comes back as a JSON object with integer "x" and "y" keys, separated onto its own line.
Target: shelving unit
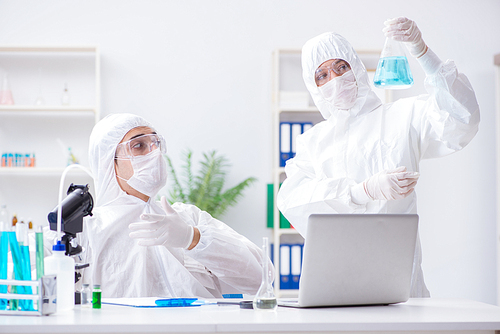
{"x": 287, "y": 76}
{"x": 26, "y": 127}
{"x": 496, "y": 62}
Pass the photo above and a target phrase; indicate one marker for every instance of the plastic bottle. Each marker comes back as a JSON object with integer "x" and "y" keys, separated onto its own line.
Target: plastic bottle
{"x": 393, "y": 70}
{"x": 86, "y": 296}
{"x": 4, "y": 250}
{"x": 64, "y": 267}
{"x": 96, "y": 296}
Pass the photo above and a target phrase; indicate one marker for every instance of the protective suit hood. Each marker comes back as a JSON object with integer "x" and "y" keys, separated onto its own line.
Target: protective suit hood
{"x": 104, "y": 139}
{"x": 333, "y": 46}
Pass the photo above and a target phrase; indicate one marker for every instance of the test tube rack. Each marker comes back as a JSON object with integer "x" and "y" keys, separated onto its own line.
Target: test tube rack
{"x": 44, "y": 295}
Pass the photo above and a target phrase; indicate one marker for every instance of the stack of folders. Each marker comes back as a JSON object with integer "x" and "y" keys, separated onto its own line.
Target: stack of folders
{"x": 288, "y": 136}
{"x": 290, "y": 265}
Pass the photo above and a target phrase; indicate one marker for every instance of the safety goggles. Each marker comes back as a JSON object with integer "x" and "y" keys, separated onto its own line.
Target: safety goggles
{"x": 140, "y": 145}
{"x": 324, "y": 73}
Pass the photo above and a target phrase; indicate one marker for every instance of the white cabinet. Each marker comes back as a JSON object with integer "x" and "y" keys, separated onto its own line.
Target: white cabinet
{"x": 288, "y": 84}
{"x": 46, "y": 130}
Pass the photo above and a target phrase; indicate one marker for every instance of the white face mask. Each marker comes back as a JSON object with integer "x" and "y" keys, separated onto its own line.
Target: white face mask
{"x": 150, "y": 173}
{"x": 341, "y": 91}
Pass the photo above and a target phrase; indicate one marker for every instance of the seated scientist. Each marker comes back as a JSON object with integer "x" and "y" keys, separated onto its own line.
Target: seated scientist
{"x": 138, "y": 247}
{"x": 364, "y": 158}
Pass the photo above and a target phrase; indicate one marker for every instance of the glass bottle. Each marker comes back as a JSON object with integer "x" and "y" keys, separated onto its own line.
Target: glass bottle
{"x": 265, "y": 298}
{"x": 393, "y": 70}
{"x": 96, "y": 296}
{"x": 86, "y": 296}
{"x": 6, "y": 94}
{"x": 65, "y": 97}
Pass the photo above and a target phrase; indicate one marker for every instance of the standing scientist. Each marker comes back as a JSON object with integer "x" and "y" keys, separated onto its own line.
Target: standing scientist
{"x": 364, "y": 158}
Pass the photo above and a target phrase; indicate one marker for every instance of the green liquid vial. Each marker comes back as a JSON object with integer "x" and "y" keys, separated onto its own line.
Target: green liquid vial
{"x": 96, "y": 297}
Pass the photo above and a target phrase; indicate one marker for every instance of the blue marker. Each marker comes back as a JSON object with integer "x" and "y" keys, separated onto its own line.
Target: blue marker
{"x": 176, "y": 302}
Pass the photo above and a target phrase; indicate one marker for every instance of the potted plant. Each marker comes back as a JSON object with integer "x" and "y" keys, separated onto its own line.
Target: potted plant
{"x": 204, "y": 189}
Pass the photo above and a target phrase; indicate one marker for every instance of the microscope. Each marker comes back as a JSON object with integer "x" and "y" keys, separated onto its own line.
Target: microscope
{"x": 78, "y": 204}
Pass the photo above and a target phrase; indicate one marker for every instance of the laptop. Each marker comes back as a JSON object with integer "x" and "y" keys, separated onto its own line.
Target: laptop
{"x": 356, "y": 259}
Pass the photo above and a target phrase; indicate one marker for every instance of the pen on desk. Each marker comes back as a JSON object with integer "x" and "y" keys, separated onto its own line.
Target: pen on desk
{"x": 247, "y": 304}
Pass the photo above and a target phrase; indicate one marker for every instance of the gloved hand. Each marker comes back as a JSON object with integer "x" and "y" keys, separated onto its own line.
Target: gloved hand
{"x": 168, "y": 230}
{"x": 404, "y": 30}
{"x": 391, "y": 184}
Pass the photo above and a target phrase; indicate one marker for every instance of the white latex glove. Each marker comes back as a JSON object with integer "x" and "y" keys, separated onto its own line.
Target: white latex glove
{"x": 404, "y": 30}
{"x": 391, "y": 184}
{"x": 168, "y": 230}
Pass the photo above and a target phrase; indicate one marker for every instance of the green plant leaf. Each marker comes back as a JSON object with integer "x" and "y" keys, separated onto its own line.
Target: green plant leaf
{"x": 204, "y": 188}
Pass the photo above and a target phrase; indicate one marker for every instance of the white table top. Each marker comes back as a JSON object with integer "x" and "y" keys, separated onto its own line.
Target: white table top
{"x": 415, "y": 315}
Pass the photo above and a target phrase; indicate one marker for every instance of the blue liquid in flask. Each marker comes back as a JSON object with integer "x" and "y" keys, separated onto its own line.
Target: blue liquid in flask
{"x": 393, "y": 73}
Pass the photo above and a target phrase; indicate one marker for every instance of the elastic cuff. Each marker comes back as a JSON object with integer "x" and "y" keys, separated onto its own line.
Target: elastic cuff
{"x": 191, "y": 236}
{"x": 358, "y": 194}
{"x": 430, "y": 62}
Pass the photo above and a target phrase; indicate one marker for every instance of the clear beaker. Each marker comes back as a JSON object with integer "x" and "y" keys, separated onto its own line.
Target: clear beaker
{"x": 393, "y": 70}
{"x": 265, "y": 298}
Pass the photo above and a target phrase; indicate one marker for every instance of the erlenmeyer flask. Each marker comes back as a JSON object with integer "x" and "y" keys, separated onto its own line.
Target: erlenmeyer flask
{"x": 6, "y": 93}
{"x": 265, "y": 298}
{"x": 393, "y": 70}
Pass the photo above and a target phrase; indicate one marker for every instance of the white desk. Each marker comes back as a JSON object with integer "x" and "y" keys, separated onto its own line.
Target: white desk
{"x": 415, "y": 316}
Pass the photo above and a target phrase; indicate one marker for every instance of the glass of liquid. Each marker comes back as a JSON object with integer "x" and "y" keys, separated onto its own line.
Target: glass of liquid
{"x": 393, "y": 70}
{"x": 265, "y": 298}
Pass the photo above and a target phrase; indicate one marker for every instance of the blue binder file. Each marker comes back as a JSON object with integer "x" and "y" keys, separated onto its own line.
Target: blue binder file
{"x": 285, "y": 267}
{"x": 296, "y": 265}
{"x": 285, "y": 143}
{"x": 289, "y": 131}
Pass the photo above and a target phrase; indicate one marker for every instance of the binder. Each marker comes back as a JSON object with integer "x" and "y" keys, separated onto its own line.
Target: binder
{"x": 285, "y": 143}
{"x": 270, "y": 205}
{"x": 284, "y": 223}
{"x": 296, "y": 131}
{"x": 285, "y": 267}
{"x": 296, "y": 265}
{"x": 306, "y": 126}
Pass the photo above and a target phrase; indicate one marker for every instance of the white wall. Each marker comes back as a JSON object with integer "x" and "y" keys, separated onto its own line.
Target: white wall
{"x": 201, "y": 71}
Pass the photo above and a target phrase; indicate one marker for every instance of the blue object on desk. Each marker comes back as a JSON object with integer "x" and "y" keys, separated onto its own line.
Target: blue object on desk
{"x": 176, "y": 302}
{"x": 233, "y": 295}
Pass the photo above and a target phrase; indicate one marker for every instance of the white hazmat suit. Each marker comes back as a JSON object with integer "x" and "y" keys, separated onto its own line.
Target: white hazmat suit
{"x": 223, "y": 261}
{"x": 350, "y": 146}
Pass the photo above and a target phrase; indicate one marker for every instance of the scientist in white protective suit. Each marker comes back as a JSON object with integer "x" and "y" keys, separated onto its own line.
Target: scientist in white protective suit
{"x": 364, "y": 158}
{"x": 138, "y": 247}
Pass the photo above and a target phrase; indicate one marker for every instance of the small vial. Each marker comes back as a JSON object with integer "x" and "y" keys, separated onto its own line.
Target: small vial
{"x": 96, "y": 296}
{"x": 86, "y": 293}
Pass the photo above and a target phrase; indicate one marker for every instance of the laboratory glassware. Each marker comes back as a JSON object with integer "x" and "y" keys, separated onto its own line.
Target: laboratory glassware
{"x": 6, "y": 94}
{"x": 265, "y": 298}
{"x": 39, "y": 251}
{"x": 40, "y": 101}
{"x": 23, "y": 241}
{"x": 64, "y": 267}
{"x": 393, "y": 70}
{"x": 4, "y": 251}
{"x": 86, "y": 295}
{"x": 96, "y": 296}
{"x": 65, "y": 97}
